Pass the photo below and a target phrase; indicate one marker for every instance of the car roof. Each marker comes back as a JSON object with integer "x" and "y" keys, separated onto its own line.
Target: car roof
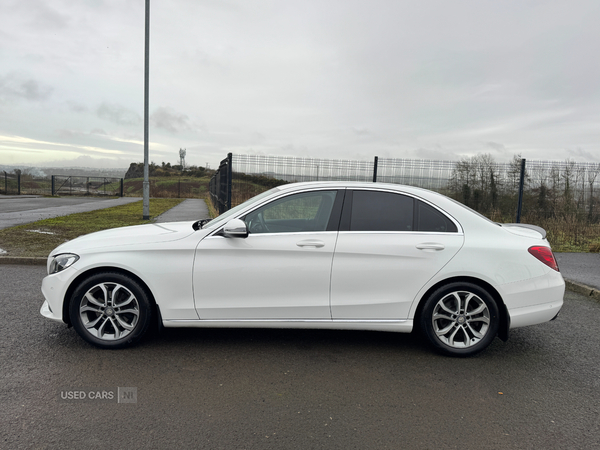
{"x": 461, "y": 213}
{"x": 359, "y": 185}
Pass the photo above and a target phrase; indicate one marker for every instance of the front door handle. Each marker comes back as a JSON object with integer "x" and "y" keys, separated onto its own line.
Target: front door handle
{"x": 430, "y": 246}
{"x": 311, "y": 243}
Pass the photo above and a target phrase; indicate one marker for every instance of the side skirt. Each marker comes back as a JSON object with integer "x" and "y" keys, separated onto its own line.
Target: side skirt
{"x": 398, "y": 326}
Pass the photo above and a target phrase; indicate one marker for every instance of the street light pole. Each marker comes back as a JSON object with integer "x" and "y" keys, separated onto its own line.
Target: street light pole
{"x": 146, "y": 184}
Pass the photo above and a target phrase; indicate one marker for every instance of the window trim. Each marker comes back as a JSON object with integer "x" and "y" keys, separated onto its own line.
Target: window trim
{"x": 332, "y": 225}
{"x": 347, "y": 213}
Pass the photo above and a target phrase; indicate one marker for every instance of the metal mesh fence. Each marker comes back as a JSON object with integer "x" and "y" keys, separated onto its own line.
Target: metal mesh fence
{"x": 429, "y": 174}
{"x": 471, "y": 180}
{"x": 555, "y": 193}
{"x": 10, "y": 183}
{"x": 77, "y": 185}
{"x": 292, "y": 169}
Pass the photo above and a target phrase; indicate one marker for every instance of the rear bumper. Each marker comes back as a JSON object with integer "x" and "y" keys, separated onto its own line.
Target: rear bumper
{"x": 534, "y": 301}
{"x": 533, "y": 315}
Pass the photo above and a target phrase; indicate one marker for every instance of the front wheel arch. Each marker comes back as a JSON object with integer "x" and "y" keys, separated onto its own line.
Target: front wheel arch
{"x": 110, "y": 310}
{"x": 89, "y": 273}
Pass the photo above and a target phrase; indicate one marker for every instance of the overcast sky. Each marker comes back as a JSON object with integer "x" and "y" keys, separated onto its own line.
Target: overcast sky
{"x": 341, "y": 79}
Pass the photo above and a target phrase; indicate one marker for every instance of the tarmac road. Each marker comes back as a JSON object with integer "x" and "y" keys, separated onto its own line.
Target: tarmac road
{"x": 582, "y": 268}
{"x": 18, "y": 210}
{"x": 294, "y": 389}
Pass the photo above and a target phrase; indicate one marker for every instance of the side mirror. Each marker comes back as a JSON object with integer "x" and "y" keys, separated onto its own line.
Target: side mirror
{"x": 235, "y": 228}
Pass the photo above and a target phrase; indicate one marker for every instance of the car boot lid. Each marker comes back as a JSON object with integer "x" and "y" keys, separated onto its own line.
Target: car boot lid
{"x": 524, "y": 229}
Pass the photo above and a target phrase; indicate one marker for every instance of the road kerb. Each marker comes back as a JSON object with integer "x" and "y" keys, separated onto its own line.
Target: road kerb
{"x": 24, "y": 260}
{"x": 582, "y": 289}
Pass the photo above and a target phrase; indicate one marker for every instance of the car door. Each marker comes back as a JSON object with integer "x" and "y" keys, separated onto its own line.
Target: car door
{"x": 388, "y": 247}
{"x": 281, "y": 270}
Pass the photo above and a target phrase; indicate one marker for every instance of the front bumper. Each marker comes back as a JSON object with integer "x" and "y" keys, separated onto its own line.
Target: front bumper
{"x": 48, "y": 314}
{"x": 54, "y": 288}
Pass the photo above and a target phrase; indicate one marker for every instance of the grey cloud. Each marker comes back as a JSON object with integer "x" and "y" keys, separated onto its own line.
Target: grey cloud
{"x": 65, "y": 134}
{"x": 500, "y": 148}
{"x": 76, "y": 107}
{"x": 47, "y": 17}
{"x": 170, "y": 120}
{"x": 435, "y": 154}
{"x": 361, "y": 131}
{"x": 118, "y": 114}
{"x": 15, "y": 86}
{"x": 582, "y": 154}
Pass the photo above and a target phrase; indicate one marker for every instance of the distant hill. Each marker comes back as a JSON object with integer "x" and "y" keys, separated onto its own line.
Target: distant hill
{"x": 69, "y": 171}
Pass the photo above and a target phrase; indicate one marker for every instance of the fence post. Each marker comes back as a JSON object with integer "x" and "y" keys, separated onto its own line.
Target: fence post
{"x": 521, "y": 184}
{"x": 52, "y": 184}
{"x": 19, "y": 183}
{"x": 121, "y": 191}
{"x": 5, "y": 183}
{"x": 375, "y": 169}
{"x": 229, "y": 179}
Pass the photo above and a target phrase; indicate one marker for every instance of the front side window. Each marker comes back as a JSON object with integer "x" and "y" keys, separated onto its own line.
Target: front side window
{"x": 307, "y": 211}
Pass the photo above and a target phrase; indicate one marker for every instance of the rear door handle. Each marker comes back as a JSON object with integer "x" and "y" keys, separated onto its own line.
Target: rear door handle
{"x": 311, "y": 243}
{"x": 430, "y": 246}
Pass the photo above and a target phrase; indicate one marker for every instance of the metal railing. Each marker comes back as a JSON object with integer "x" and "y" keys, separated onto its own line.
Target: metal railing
{"x": 11, "y": 183}
{"x": 543, "y": 188}
{"x": 80, "y": 185}
{"x": 220, "y": 185}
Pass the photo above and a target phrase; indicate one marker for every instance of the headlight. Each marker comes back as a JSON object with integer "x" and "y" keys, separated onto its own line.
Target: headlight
{"x": 61, "y": 262}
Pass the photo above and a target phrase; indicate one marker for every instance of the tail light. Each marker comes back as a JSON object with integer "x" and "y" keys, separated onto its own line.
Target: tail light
{"x": 544, "y": 254}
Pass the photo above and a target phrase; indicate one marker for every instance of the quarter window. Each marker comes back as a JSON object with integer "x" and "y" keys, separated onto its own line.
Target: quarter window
{"x": 430, "y": 219}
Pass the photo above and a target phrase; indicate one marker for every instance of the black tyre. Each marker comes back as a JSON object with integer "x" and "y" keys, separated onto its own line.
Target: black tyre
{"x": 460, "y": 319}
{"x": 110, "y": 310}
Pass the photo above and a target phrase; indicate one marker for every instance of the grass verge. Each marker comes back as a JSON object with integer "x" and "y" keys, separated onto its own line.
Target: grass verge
{"x": 41, "y": 237}
{"x": 212, "y": 211}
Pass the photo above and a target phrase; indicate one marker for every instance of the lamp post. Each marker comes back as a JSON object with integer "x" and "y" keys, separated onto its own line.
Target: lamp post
{"x": 146, "y": 184}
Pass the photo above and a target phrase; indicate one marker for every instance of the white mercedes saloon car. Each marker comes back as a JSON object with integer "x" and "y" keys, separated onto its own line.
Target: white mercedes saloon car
{"x": 334, "y": 255}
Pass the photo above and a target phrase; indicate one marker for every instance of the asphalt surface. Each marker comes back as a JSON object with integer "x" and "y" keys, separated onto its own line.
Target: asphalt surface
{"x": 582, "y": 268}
{"x": 189, "y": 209}
{"x": 19, "y": 210}
{"x": 294, "y": 389}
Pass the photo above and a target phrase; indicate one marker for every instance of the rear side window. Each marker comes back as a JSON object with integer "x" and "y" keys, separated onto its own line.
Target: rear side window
{"x": 387, "y": 211}
{"x": 381, "y": 211}
{"x": 430, "y": 219}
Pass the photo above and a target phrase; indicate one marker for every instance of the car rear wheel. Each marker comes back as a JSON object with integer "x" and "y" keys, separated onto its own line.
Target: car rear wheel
{"x": 460, "y": 319}
{"x": 110, "y": 310}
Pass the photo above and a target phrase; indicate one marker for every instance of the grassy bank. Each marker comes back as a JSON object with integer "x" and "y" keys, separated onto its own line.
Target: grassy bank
{"x": 168, "y": 187}
{"x": 39, "y": 238}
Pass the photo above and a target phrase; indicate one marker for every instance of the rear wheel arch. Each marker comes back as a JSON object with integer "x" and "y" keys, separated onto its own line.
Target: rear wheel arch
{"x": 503, "y": 329}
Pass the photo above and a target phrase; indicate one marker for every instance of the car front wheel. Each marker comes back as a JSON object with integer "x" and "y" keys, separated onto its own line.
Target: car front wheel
{"x": 460, "y": 319}
{"x": 110, "y": 310}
